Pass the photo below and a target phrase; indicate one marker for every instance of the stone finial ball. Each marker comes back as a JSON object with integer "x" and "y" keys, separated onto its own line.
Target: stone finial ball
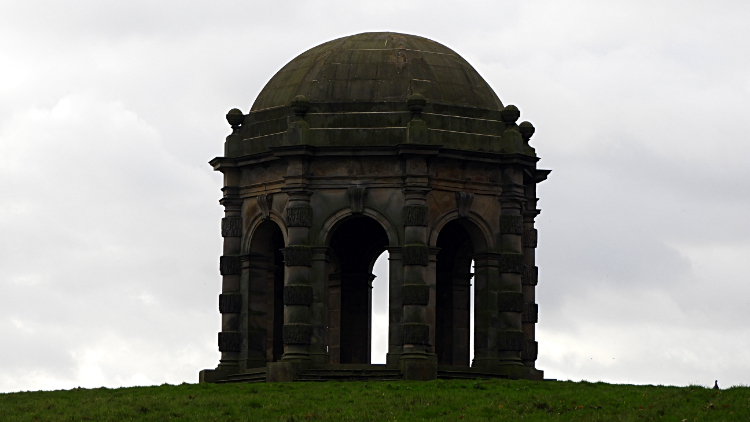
{"x": 300, "y": 105}
{"x": 527, "y": 130}
{"x": 510, "y": 114}
{"x": 235, "y": 117}
{"x": 416, "y": 103}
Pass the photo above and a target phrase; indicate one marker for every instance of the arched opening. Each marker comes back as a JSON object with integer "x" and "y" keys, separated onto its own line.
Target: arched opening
{"x": 453, "y": 313}
{"x": 356, "y": 245}
{"x": 380, "y": 309}
{"x": 266, "y": 282}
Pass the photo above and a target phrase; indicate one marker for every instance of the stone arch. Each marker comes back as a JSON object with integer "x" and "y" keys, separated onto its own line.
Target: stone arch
{"x": 479, "y": 229}
{"x": 354, "y": 242}
{"x": 459, "y": 240}
{"x": 255, "y": 223}
{"x": 263, "y": 274}
{"x": 335, "y": 219}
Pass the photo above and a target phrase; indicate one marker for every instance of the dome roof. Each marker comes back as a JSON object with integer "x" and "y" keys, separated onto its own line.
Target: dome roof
{"x": 379, "y": 67}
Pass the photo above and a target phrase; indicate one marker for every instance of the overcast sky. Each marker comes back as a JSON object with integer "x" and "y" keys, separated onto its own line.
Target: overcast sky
{"x": 109, "y": 214}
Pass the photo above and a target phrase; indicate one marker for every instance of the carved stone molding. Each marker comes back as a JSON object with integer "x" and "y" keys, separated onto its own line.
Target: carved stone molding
{"x": 299, "y": 216}
{"x": 530, "y": 313}
{"x": 415, "y": 294}
{"x": 415, "y": 215}
{"x": 357, "y": 198}
{"x": 230, "y": 303}
{"x": 530, "y": 350}
{"x": 463, "y": 203}
{"x": 265, "y": 202}
{"x": 415, "y": 255}
{"x": 298, "y": 255}
{"x": 510, "y": 340}
{"x": 230, "y": 265}
{"x": 511, "y": 224}
{"x": 230, "y": 341}
{"x": 413, "y": 333}
{"x": 231, "y": 227}
{"x": 298, "y": 294}
{"x": 296, "y": 333}
{"x": 511, "y": 263}
{"x": 510, "y": 302}
{"x": 529, "y": 238}
{"x": 530, "y": 275}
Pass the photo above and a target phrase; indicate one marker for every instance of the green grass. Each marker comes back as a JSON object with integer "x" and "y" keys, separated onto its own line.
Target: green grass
{"x": 464, "y": 400}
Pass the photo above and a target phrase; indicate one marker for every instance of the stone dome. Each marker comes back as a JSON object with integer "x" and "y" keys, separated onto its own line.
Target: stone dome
{"x": 379, "y": 67}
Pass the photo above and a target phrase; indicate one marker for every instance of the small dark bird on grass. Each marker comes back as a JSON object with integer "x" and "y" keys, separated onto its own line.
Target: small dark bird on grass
{"x": 716, "y": 385}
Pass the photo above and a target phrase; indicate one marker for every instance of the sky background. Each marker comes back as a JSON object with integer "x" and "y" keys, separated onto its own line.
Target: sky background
{"x": 109, "y": 213}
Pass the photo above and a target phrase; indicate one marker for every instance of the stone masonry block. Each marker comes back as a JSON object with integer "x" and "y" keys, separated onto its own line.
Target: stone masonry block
{"x": 529, "y": 238}
{"x": 415, "y": 215}
{"x": 298, "y": 255}
{"x": 416, "y": 255}
{"x": 230, "y": 303}
{"x": 231, "y": 227}
{"x": 299, "y": 216}
{"x": 230, "y": 265}
{"x": 530, "y": 275}
{"x": 530, "y": 313}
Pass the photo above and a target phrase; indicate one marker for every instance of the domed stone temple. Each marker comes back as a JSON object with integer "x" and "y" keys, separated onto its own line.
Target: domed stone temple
{"x": 373, "y": 143}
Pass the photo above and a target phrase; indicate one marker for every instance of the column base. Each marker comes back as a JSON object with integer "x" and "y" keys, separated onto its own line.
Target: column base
{"x": 285, "y": 371}
{"x": 211, "y": 376}
{"x": 419, "y": 370}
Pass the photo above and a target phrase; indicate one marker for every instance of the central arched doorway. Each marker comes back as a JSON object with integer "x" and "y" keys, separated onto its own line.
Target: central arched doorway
{"x": 453, "y": 296}
{"x": 355, "y": 246}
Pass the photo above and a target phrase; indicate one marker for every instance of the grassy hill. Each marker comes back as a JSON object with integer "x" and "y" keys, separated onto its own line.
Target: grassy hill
{"x": 460, "y": 400}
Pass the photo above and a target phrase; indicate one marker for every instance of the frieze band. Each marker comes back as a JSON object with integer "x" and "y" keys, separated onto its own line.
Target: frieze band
{"x": 230, "y": 303}
{"x": 510, "y": 341}
{"x": 530, "y": 313}
{"x": 511, "y": 224}
{"x": 510, "y": 302}
{"x": 298, "y": 294}
{"x": 415, "y": 215}
{"x": 296, "y": 333}
{"x": 511, "y": 263}
{"x": 230, "y": 265}
{"x": 413, "y": 333}
{"x": 299, "y": 216}
{"x": 231, "y": 227}
{"x": 230, "y": 341}
{"x": 415, "y": 294}
{"x": 416, "y": 255}
{"x": 298, "y": 255}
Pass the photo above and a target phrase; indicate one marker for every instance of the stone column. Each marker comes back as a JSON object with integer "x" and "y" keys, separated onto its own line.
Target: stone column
{"x": 319, "y": 310}
{"x": 510, "y": 298}
{"x": 230, "y": 300}
{"x": 298, "y": 293}
{"x": 531, "y": 310}
{"x": 416, "y": 294}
